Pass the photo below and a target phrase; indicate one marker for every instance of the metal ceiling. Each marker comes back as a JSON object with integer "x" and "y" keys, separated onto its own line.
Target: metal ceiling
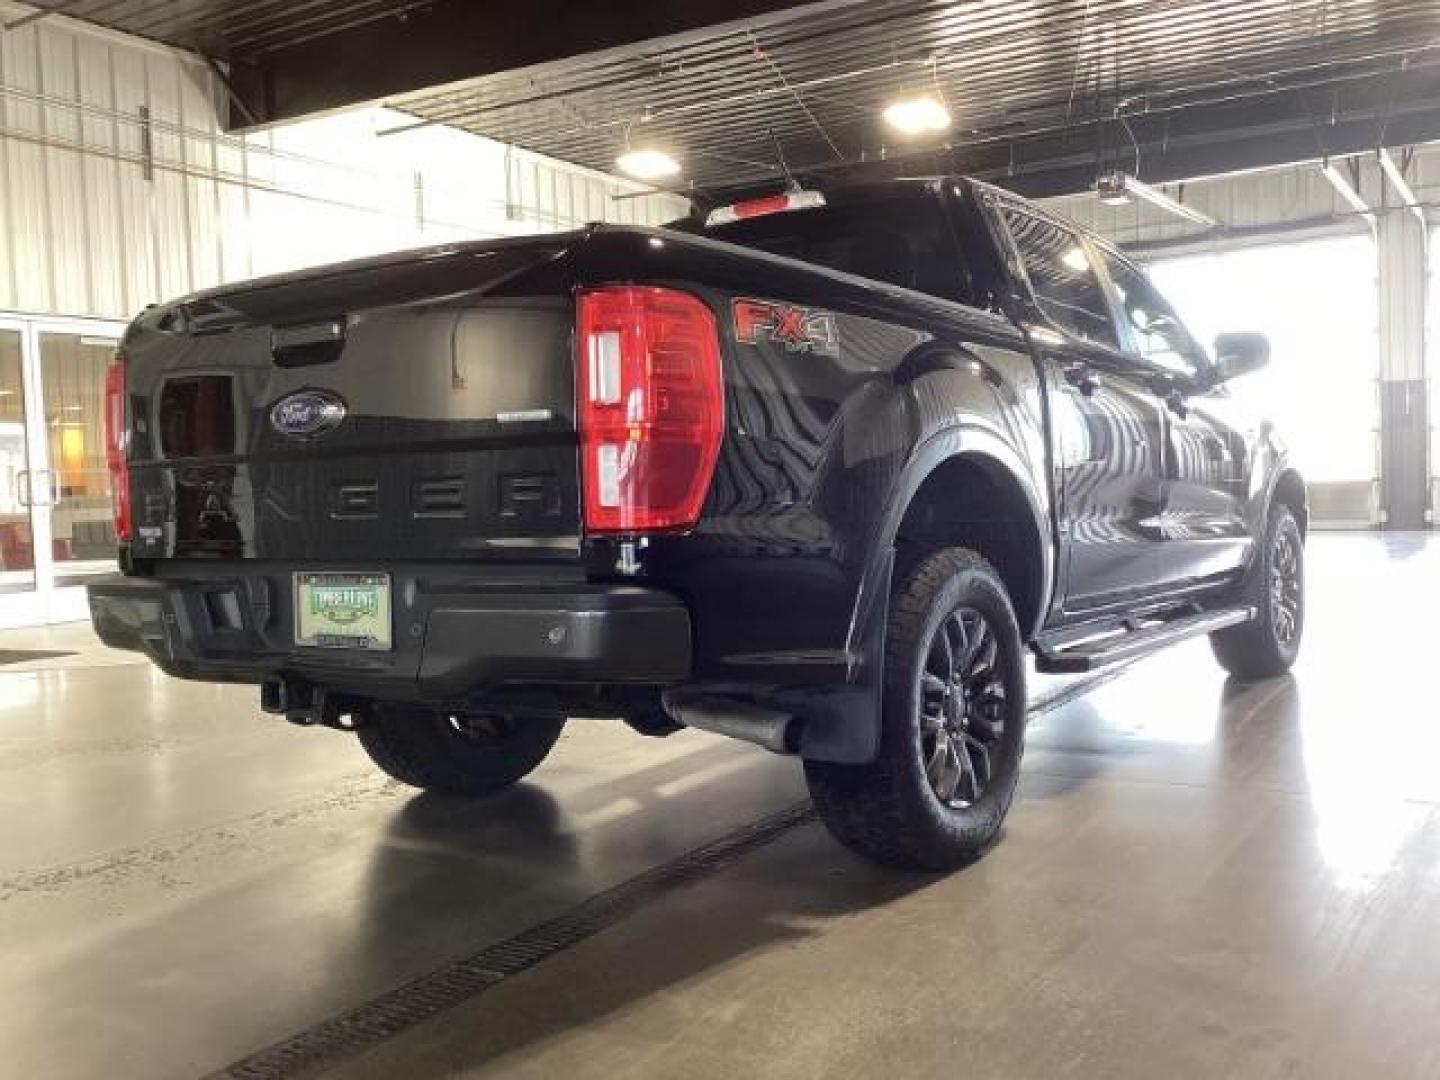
{"x": 1010, "y": 70}
{"x": 230, "y": 29}
{"x": 1031, "y": 84}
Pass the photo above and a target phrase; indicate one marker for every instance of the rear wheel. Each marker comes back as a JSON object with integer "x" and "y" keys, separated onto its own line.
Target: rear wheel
{"x": 456, "y": 753}
{"x": 1268, "y": 644}
{"x": 952, "y": 724}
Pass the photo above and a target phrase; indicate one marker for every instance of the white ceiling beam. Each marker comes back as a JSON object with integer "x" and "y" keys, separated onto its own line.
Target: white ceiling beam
{"x": 1349, "y": 188}
{"x": 1396, "y": 175}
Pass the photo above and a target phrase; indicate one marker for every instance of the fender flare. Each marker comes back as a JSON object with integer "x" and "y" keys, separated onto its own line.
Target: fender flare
{"x": 848, "y": 727}
{"x": 968, "y": 441}
{"x": 1283, "y": 469}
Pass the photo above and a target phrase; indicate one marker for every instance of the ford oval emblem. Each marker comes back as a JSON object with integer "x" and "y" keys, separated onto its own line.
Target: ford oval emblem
{"x": 307, "y": 412}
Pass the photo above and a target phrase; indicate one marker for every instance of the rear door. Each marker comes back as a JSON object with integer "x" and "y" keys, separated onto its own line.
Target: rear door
{"x": 1202, "y": 524}
{"x": 1108, "y": 422}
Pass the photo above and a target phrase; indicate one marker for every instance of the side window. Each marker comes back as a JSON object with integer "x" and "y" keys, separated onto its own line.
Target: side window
{"x": 1062, "y": 278}
{"x": 1159, "y": 336}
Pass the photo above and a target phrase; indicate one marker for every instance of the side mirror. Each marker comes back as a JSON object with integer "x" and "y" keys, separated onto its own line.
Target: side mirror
{"x": 1239, "y": 354}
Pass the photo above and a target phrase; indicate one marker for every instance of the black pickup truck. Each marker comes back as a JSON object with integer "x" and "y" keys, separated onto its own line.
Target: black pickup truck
{"x": 815, "y": 472}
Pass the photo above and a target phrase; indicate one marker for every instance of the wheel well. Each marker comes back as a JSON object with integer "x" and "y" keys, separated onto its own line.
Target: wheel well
{"x": 969, "y": 502}
{"x": 1290, "y": 490}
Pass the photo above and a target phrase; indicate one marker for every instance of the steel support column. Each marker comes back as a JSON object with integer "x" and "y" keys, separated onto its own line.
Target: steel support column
{"x": 1404, "y": 426}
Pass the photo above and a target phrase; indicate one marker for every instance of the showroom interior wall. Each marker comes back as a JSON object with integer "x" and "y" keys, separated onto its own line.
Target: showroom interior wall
{"x": 118, "y": 187}
{"x": 1287, "y": 210}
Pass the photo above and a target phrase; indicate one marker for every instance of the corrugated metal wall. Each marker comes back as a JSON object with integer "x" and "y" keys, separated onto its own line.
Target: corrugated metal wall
{"x": 102, "y": 212}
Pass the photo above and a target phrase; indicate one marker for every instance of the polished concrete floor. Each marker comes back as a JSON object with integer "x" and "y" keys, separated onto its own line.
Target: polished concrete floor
{"x": 1198, "y": 880}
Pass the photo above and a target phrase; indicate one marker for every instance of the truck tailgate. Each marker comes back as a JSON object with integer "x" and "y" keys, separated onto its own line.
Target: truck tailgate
{"x": 406, "y": 408}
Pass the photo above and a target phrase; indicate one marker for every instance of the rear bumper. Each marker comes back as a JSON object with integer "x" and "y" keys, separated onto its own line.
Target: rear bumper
{"x": 452, "y": 637}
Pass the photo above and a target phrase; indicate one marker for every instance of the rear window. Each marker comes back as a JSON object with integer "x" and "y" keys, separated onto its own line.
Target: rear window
{"x": 900, "y": 241}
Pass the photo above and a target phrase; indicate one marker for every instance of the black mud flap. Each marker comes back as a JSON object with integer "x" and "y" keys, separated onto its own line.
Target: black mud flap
{"x": 842, "y": 723}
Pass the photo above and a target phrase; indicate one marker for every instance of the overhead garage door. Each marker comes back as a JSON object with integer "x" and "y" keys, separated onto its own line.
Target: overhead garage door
{"x": 1317, "y": 302}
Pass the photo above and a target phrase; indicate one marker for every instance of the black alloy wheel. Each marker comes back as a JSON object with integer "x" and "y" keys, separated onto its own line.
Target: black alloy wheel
{"x": 951, "y": 726}
{"x": 1285, "y": 586}
{"x": 1274, "y": 587}
{"x": 962, "y": 708}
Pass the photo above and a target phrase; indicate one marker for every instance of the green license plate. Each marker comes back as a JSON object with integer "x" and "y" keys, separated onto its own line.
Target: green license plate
{"x": 342, "y": 611}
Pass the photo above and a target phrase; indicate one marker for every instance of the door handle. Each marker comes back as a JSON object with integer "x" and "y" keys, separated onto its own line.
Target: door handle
{"x": 22, "y": 487}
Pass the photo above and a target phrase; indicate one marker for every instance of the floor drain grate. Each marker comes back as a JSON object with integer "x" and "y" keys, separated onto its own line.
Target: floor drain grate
{"x": 389, "y": 1014}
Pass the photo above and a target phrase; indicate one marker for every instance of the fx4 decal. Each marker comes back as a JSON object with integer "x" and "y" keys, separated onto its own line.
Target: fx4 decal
{"x": 798, "y": 329}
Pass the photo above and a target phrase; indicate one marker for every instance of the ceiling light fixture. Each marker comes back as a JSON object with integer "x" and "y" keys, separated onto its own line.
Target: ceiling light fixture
{"x": 918, "y": 116}
{"x": 1117, "y": 189}
{"x": 647, "y": 164}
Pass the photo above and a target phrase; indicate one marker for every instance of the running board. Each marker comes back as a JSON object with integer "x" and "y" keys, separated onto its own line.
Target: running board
{"x": 1063, "y": 654}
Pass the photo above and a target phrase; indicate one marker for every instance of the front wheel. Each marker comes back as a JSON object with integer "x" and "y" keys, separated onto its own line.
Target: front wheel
{"x": 1268, "y": 644}
{"x": 952, "y": 724}
{"x": 456, "y": 753}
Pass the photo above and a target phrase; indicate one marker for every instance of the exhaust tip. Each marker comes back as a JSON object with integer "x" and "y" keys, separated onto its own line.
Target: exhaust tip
{"x": 776, "y": 731}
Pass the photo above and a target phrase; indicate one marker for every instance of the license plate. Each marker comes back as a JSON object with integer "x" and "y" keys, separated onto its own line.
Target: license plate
{"x": 342, "y": 611}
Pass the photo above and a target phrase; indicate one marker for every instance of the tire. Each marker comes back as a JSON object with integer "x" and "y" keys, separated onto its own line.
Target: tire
{"x": 455, "y": 755}
{"x": 1268, "y": 645}
{"x": 894, "y": 810}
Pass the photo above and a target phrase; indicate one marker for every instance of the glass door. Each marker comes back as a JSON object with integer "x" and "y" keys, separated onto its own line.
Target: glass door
{"x": 75, "y": 485}
{"x": 55, "y": 516}
{"x": 21, "y": 602}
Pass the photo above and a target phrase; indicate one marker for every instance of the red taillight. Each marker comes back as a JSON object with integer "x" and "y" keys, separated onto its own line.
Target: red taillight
{"x": 117, "y": 435}
{"x": 651, "y": 407}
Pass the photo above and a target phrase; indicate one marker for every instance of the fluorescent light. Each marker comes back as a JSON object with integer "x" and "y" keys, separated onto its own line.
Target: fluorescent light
{"x": 647, "y": 164}
{"x": 1117, "y": 188}
{"x": 916, "y": 116}
{"x": 1075, "y": 259}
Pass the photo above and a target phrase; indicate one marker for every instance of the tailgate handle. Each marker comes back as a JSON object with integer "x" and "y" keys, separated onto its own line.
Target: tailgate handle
{"x": 355, "y": 500}
{"x": 440, "y": 498}
{"x": 312, "y": 343}
{"x": 529, "y": 496}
